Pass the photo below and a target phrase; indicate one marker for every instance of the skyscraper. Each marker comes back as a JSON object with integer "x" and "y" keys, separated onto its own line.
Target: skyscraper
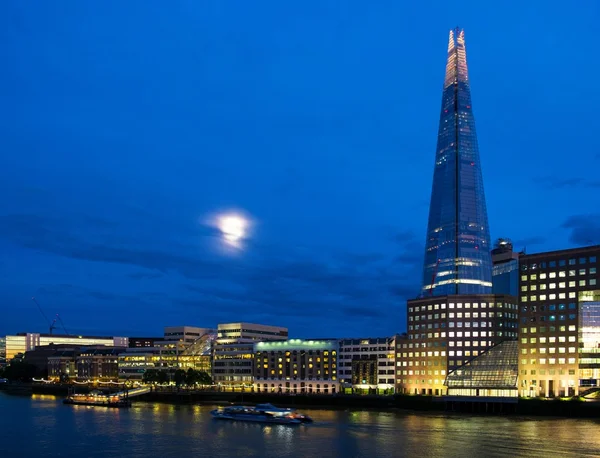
{"x": 458, "y": 318}
{"x": 457, "y": 248}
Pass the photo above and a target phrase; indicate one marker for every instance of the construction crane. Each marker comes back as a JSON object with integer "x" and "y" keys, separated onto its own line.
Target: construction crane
{"x": 51, "y": 326}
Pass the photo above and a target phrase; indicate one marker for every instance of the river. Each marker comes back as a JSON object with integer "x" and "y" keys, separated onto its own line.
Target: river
{"x": 41, "y": 426}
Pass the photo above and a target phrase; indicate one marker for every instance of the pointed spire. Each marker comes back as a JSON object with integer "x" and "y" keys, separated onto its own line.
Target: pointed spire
{"x": 451, "y": 41}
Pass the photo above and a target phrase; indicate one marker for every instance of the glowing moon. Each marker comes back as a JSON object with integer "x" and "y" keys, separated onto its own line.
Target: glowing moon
{"x": 233, "y": 227}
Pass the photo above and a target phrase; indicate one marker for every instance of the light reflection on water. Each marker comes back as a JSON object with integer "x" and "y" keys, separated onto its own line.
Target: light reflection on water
{"x": 43, "y": 426}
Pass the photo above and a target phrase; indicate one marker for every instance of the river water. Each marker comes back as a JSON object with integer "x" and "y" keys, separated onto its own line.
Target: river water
{"x": 41, "y": 426}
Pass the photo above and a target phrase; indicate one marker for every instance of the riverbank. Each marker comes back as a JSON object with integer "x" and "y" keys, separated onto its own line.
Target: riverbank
{"x": 529, "y": 407}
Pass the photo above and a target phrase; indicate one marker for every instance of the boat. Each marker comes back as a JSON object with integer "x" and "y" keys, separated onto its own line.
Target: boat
{"x": 255, "y": 414}
{"x": 291, "y": 412}
{"x": 95, "y": 398}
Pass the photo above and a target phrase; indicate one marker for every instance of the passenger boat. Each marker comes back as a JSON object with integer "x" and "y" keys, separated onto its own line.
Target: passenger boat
{"x": 255, "y": 414}
{"x": 96, "y": 398}
{"x": 291, "y": 412}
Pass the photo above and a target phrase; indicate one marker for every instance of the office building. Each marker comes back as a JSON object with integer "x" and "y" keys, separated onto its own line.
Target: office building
{"x": 457, "y": 247}
{"x": 296, "y": 366}
{"x": 559, "y": 297}
{"x": 233, "y": 354}
{"x": 143, "y": 342}
{"x": 181, "y": 347}
{"x": 61, "y": 363}
{"x": 446, "y": 332}
{"x": 367, "y": 365}
{"x": 505, "y": 272}
{"x": 23, "y": 342}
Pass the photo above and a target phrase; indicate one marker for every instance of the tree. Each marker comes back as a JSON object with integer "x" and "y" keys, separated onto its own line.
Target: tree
{"x": 179, "y": 377}
{"x": 150, "y": 376}
{"x": 162, "y": 377}
{"x": 20, "y": 371}
{"x": 204, "y": 378}
{"x": 191, "y": 377}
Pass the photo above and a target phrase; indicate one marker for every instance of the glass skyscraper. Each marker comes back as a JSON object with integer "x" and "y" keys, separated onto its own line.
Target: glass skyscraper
{"x": 457, "y": 249}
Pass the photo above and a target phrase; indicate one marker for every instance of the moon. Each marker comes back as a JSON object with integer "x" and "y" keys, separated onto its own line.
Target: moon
{"x": 234, "y": 228}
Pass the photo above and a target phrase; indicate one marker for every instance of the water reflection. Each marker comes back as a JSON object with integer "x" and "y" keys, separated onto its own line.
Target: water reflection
{"x": 174, "y": 431}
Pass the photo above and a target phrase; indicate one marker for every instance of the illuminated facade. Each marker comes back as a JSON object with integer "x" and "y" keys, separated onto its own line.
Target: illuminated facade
{"x": 559, "y": 297}
{"x": 98, "y": 363}
{"x": 182, "y": 347}
{"x": 296, "y": 366}
{"x": 492, "y": 374}
{"x": 22, "y": 342}
{"x": 2, "y": 351}
{"x": 233, "y": 353}
{"x": 457, "y": 247}
{"x": 448, "y": 331}
{"x": 367, "y": 364}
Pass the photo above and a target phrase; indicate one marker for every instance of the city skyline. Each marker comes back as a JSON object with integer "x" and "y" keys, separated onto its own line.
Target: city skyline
{"x": 457, "y": 245}
{"x": 123, "y": 145}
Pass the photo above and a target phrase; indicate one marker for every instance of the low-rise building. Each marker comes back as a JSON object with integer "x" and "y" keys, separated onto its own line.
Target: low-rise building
{"x": 23, "y": 342}
{"x": 233, "y": 353}
{"x": 367, "y": 365}
{"x": 98, "y": 364}
{"x": 2, "y": 351}
{"x": 182, "y": 347}
{"x": 296, "y": 366}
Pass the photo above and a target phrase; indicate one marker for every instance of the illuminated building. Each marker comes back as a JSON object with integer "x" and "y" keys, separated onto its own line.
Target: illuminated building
{"x": 100, "y": 363}
{"x": 493, "y": 374}
{"x": 182, "y": 347}
{"x": 143, "y": 342}
{"x": 558, "y": 330}
{"x": 23, "y": 342}
{"x": 458, "y": 317}
{"x": 367, "y": 365}
{"x": 457, "y": 247}
{"x": 296, "y": 366}
{"x": 2, "y": 351}
{"x": 505, "y": 271}
{"x": 446, "y": 332}
{"x": 233, "y": 355}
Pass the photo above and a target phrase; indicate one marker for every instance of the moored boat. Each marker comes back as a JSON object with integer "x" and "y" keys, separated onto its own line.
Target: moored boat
{"x": 97, "y": 399}
{"x": 254, "y": 414}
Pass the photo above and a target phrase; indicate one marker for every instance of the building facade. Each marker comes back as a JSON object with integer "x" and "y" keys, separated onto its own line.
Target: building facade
{"x": 559, "y": 296}
{"x": 98, "y": 364}
{"x": 296, "y": 366}
{"x": 505, "y": 271}
{"x": 457, "y": 246}
{"x": 23, "y": 342}
{"x": 2, "y": 351}
{"x": 448, "y": 331}
{"x": 233, "y": 353}
{"x": 367, "y": 365}
{"x": 143, "y": 342}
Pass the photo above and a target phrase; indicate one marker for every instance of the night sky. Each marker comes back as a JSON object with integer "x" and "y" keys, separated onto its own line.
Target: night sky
{"x": 126, "y": 128}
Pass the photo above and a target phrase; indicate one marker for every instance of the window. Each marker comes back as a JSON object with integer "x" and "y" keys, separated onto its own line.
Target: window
{"x": 542, "y": 276}
{"x": 571, "y": 262}
{"x": 582, "y": 260}
{"x": 552, "y": 275}
{"x": 592, "y": 259}
{"x": 592, "y": 282}
{"x": 562, "y": 263}
{"x": 581, "y": 282}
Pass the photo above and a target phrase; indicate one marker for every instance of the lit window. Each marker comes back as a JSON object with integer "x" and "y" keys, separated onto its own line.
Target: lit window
{"x": 542, "y": 276}
{"x": 552, "y": 286}
{"x": 552, "y": 275}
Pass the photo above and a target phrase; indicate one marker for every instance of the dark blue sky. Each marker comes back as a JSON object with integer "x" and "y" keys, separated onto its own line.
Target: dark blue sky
{"x": 126, "y": 125}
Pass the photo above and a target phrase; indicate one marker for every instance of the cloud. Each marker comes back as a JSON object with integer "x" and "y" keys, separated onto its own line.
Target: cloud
{"x": 529, "y": 241}
{"x": 403, "y": 236}
{"x": 144, "y": 275}
{"x": 273, "y": 284}
{"x": 553, "y": 182}
{"x": 585, "y": 229}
